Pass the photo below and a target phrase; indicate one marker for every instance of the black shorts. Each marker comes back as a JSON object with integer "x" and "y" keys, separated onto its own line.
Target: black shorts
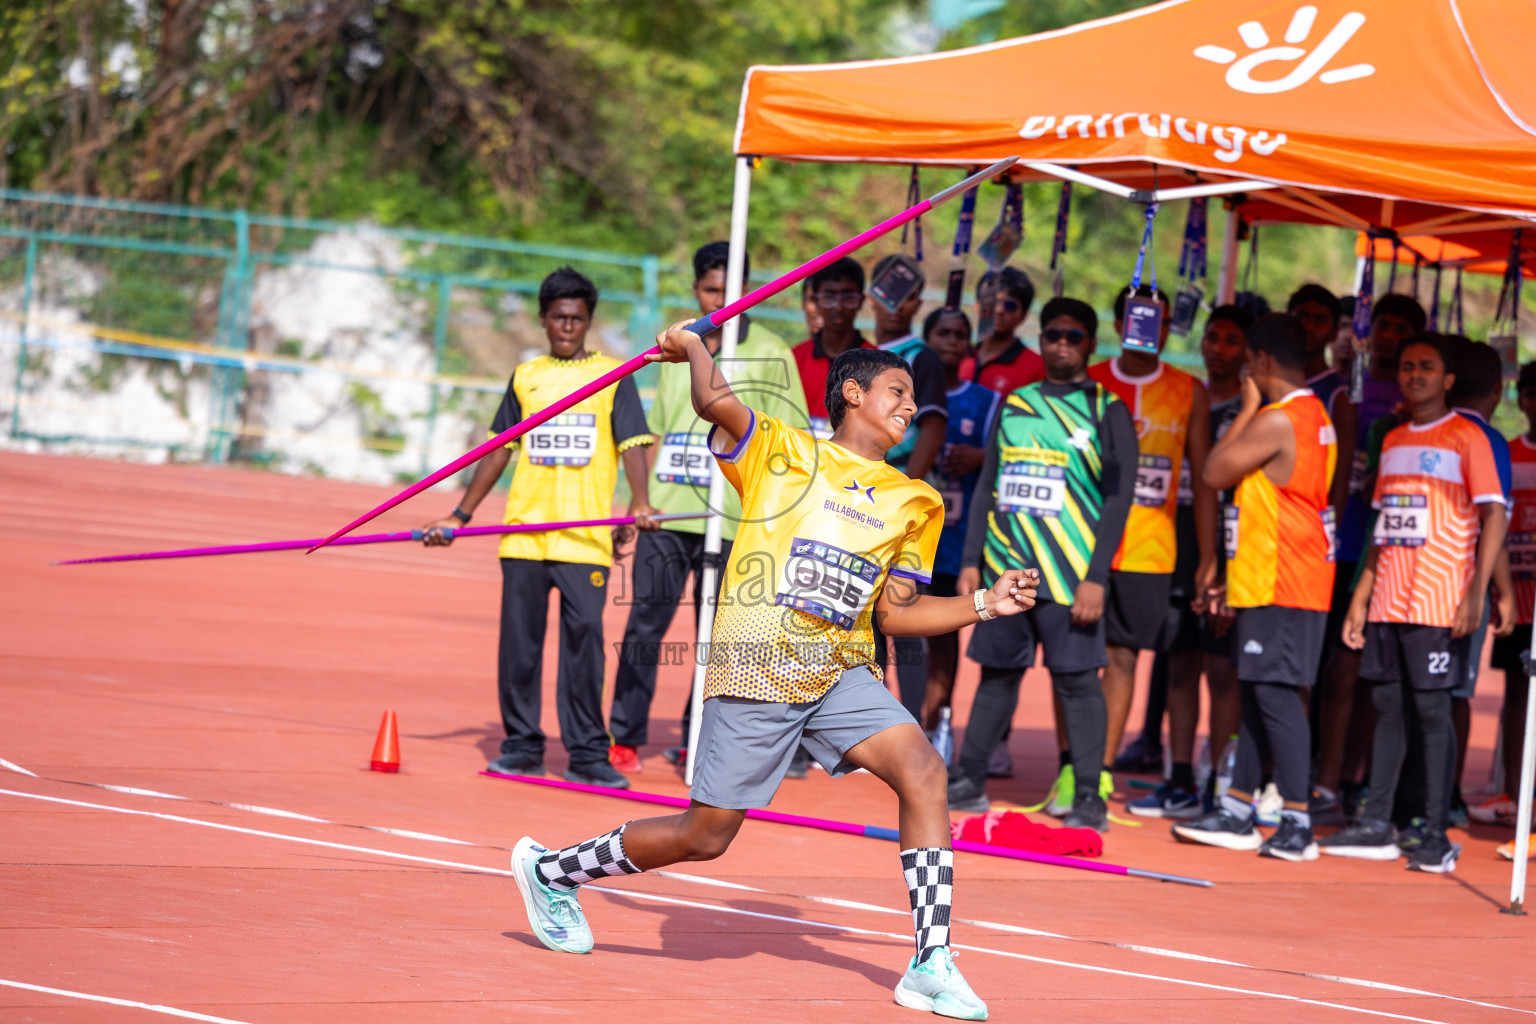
{"x": 1467, "y": 688}
{"x": 1217, "y": 646}
{"x": 1426, "y": 656}
{"x": 1010, "y": 642}
{"x": 1134, "y": 607}
{"x": 1508, "y": 649}
{"x": 943, "y": 585}
{"x": 1278, "y": 645}
{"x": 1180, "y": 630}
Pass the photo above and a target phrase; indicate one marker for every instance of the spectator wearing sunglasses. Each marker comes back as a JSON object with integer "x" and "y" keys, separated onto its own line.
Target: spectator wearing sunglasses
{"x": 838, "y": 292}
{"x": 1001, "y": 363}
{"x": 1054, "y": 493}
{"x": 1172, "y": 415}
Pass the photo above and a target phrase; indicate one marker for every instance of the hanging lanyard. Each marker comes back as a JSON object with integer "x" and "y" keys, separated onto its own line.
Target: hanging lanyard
{"x": 1456, "y": 319}
{"x": 1141, "y": 255}
{"x": 1392, "y": 273}
{"x": 1192, "y": 263}
{"x": 914, "y": 196}
{"x": 1251, "y": 271}
{"x": 1434, "y": 300}
{"x": 1510, "y": 289}
{"x": 1059, "y": 242}
{"x": 1367, "y": 292}
{"x": 962, "y": 249}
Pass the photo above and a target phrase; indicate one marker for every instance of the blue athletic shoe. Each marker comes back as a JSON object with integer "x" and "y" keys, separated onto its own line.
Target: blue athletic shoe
{"x": 936, "y": 985}
{"x": 1167, "y": 801}
{"x": 555, "y": 917}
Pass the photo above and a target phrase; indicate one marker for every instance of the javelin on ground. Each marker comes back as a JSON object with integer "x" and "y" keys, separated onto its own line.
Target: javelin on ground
{"x": 380, "y": 538}
{"x": 701, "y": 327}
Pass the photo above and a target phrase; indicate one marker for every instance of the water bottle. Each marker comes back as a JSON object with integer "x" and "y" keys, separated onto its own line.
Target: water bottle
{"x": 1228, "y": 766}
{"x": 944, "y": 738}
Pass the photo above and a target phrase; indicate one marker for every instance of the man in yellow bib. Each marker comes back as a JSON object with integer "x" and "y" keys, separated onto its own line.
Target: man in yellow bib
{"x": 567, "y": 471}
{"x": 831, "y": 536}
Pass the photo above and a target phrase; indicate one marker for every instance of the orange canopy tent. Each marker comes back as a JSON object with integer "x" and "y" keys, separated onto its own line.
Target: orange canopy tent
{"x": 1416, "y": 101}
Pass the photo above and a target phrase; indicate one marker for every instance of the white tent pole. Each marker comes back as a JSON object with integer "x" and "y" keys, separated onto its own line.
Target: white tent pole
{"x": 1523, "y": 795}
{"x": 710, "y": 584}
{"x": 1226, "y": 278}
{"x": 1219, "y": 188}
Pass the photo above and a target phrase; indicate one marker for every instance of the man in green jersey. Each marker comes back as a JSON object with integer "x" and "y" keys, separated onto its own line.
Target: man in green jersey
{"x": 1054, "y": 492}
{"x": 764, "y": 373}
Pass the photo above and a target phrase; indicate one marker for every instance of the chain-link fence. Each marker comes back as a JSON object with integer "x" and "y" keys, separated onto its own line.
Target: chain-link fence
{"x": 354, "y": 351}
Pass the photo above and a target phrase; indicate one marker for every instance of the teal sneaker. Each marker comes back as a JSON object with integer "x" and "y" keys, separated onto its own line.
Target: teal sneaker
{"x": 936, "y": 985}
{"x": 555, "y": 917}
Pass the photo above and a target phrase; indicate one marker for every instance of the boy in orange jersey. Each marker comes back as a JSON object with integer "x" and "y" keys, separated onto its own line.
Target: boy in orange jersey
{"x": 1440, "y": 527}
{"x": 1279, "y": 546}
{"x": 1172, "y": 416}
{"x": 830, "y": 537}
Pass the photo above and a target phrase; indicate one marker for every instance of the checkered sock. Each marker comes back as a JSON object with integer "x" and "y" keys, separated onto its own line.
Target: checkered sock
{"x": 563, "y": 870}
{"x": 930, "y": 873}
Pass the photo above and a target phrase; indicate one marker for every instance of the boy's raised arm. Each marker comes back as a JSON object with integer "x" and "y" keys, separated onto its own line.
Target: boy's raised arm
{"x": 713, "y": 398}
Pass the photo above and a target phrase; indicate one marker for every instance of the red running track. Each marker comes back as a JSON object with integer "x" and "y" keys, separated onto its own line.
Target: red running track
{"x": 259, "y": 682}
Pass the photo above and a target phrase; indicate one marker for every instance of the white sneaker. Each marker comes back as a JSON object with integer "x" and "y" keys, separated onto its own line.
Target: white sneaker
{"x": 1267, "y": 808}
{"x": 555, "y": 917}
{"x": 936, "y": 985}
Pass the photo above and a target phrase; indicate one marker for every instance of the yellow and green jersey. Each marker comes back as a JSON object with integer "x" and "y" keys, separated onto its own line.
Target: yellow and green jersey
{"x": 764, "y": 375}
{"x": 821, "y": 529}
{"x": 570, "y": 464}
{"x": 1056, "y": 486}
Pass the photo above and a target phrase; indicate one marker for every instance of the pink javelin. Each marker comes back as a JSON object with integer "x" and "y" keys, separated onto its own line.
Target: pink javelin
{"x": 868, "y": 831}
{"x": 379, "y": 538}
{"x": 701, "y": 327}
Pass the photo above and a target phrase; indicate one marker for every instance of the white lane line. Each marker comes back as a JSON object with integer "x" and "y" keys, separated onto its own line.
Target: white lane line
{"x": 907, "y": 939}
{"x": 258, "y": 832}
{"x": 1173, "y": 954}
{"x": 635, "y": 894}
{"x": 170, "y": 1011}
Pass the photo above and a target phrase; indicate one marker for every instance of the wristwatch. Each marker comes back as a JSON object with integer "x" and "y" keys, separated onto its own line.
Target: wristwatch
{"x": 462, "y": 516}
{"x": 980, "y": 600}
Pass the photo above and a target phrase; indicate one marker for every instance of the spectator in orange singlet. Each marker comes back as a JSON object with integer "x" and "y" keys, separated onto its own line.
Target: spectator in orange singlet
{"x": 1279, "y": 546}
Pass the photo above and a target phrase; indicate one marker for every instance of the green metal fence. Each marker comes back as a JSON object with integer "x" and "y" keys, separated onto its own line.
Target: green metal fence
{"x": 100, "y": 298}
{"x": 306, "y": 345}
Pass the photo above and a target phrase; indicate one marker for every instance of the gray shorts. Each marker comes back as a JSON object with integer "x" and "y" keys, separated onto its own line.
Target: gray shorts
{"x": 745, "y": 745}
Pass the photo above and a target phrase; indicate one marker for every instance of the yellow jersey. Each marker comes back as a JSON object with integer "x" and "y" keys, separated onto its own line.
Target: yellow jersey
{"x": 821, "y": 529}
{"x": 1160, "y": 404}
{"x": 569, "y": 465}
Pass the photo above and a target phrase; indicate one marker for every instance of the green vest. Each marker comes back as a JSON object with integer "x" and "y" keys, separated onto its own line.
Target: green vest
{"x": 764, "y": 376}
{"x": 1048, "y": 491}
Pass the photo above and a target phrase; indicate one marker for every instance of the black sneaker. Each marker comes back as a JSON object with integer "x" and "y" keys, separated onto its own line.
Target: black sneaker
{"x": 1219, "y": 828}
{"x": 598, "y": 773}
{"x": 798, "y": 765}
{"x": 1367, "y": 839}
{"x": 1140, "y": 757}
{"x": 969, "y": 796}
{"x": 516, "y": 764}
{"x": 1412, "y": 837}
{"x": 1436, "y": 854}
{"x": 675, "y": 755}
{"x": 1290, "y": 842}
{"x": 1088, "y": 811}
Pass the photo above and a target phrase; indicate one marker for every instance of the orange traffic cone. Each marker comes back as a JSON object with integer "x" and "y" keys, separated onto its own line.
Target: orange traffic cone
{"x": 386, "y": 749}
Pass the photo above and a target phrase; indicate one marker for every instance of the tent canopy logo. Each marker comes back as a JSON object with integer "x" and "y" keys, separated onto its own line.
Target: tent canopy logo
{"x": 1308, "y": 64}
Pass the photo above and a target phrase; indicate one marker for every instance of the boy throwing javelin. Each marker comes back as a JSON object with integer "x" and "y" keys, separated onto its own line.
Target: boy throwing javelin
{"x": 830, "y": 536}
